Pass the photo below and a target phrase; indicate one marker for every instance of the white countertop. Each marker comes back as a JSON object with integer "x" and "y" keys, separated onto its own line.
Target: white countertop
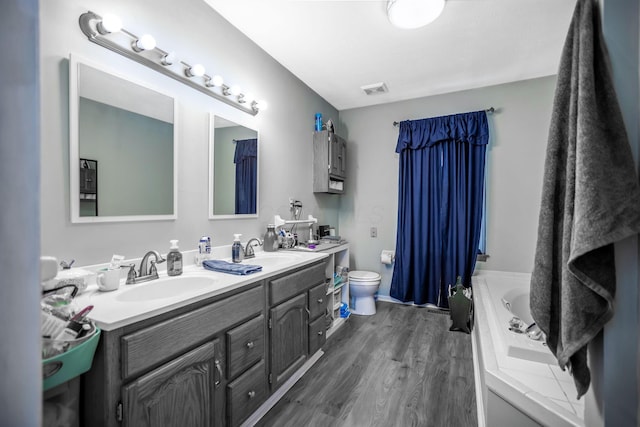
{"x": 133, "y": 303}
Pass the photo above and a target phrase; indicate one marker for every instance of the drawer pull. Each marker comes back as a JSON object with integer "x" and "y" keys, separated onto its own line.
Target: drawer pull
{"x": 320, "y": 333}
{"x": 250, "y": 344}
{"x": 319, "y": 300}
{"x": 251, "y": 394}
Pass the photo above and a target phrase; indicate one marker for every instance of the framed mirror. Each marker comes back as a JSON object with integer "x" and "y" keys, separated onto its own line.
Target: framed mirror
{"x": 123, "y": 147}
{"x": 233, "y": 169}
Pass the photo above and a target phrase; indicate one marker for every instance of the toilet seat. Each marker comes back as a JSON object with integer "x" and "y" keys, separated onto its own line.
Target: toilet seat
{"x": 364, "y": 277}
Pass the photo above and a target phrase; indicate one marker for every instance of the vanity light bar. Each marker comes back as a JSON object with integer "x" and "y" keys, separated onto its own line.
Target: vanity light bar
{"x": 103, "y": 31}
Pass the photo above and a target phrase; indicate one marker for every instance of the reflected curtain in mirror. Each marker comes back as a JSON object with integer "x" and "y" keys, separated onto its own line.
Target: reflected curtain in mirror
{"x": 233, "y": 170}
{"x": 246, "y": 161}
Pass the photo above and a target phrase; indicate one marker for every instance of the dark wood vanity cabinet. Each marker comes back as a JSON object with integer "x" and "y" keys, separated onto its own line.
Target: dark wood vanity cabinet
{"x": 181, "y": 393}
{"x": 174, "y": 369}
{"x": 290, "y": 316}
{"x": 207, "y": 364}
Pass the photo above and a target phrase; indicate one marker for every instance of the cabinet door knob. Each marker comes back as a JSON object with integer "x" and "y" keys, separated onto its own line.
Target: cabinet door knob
{"x": 319, "y": 300}
{"x": 320, "y": 333}
{"x": 251, "y": 394}
{"x": 250, "y": 344}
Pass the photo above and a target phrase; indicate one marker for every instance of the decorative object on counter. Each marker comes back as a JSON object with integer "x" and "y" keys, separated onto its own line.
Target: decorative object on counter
{"x": 99, "y": 30}
{"x": 460, "y": 307}
{"x": 231, "y": 268}
{"x": 237, "y": 253}
{"x": 204, "y": 250}
{"x": 108, "y": 279}
{"x": 174, "y": 260}
{"x": 270, "y": 239}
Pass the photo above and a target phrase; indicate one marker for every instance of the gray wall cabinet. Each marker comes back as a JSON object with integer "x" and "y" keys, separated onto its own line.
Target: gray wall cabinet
{"x": 329, "y": 162}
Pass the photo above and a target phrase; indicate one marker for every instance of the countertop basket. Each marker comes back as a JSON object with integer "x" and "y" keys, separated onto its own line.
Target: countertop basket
{"x": 75, "y": 361}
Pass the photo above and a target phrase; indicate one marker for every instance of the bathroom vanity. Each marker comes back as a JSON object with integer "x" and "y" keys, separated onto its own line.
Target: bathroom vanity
{"x": 214, "y": 360}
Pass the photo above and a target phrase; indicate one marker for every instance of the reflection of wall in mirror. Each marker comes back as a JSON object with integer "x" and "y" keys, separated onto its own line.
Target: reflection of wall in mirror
{"x": 224, "y": 170}
{"x": 136, "y": 158}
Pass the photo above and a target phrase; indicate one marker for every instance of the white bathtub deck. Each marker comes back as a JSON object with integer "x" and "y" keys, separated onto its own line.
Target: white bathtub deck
{"x": 543, "y": 392}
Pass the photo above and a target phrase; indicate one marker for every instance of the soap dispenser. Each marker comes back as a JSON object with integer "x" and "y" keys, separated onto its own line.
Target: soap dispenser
{"x": 237, "y": 253}
{"x": 174, "y": 260}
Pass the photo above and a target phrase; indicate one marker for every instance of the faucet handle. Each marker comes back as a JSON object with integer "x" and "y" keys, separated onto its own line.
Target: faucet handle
{"x": 131, "y": 274}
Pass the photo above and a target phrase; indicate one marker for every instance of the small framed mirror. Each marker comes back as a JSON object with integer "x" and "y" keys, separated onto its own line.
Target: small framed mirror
{"x": 123, "y": 147}
{"x": 233, "y": 169}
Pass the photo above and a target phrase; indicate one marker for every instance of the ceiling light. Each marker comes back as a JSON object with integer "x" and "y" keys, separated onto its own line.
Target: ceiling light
{"x": 413, "y": 13}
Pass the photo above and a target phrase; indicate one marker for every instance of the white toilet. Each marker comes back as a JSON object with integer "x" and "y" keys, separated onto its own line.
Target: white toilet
{"x": 362, "y": 287}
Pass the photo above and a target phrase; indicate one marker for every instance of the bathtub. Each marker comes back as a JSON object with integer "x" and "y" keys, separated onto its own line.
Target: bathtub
{"x": 518, "y": 381}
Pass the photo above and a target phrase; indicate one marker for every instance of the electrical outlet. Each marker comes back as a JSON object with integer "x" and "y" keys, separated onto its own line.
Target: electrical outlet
{"x": 374, "y": 232}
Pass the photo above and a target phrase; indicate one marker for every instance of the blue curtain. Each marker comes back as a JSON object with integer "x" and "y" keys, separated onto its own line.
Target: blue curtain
{"x": 246, "y": 160}
{"x": 441, "y": 187}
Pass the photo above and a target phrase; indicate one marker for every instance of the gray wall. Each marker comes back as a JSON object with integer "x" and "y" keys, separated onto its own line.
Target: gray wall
{"x": 514, "y": 174}
{"x": 135, "y": 159}
{"x": 21, "y": 389}
{"x": 197, "y": 34}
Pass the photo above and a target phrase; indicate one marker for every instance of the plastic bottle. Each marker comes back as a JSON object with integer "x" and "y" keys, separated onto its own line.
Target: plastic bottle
{"x": 270, "y": 239}
{"x": 174, "y": 260}
{"x": 237, "y": 254}
{"x": 318, "y": 122}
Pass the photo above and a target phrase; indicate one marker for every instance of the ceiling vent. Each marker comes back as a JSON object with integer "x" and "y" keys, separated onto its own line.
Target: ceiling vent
{"x": 375, "y": 88}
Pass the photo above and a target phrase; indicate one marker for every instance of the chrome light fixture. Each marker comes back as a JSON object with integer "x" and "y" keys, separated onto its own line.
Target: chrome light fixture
{"x": 143, "y": 50}
{"x": 409, "y": 14}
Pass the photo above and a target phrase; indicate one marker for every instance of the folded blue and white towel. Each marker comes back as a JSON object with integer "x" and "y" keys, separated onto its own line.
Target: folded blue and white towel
{"x": 231, "y": 268}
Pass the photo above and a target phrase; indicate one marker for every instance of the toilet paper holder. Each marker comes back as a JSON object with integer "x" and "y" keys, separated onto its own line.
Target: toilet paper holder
{"x": 387, "y": 256}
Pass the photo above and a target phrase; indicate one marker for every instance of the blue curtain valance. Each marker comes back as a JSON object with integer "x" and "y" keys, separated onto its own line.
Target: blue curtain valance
{"x": 466, "y": 127}
{"x": 245, "y": 148}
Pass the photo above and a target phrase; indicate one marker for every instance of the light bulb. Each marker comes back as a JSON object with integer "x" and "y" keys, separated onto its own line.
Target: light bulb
{"x": 214, "y": 81}
{"x": 248, "y": 97}
{"x": 261, "y": 105}
{"x": 235, "y": 90}
{"x": 110, "y": 24}
{"x": 169, "y": 58}
{"x": 217, "y": 80}
{"x": 146, "y": 42}
{"x": 196, "y": 70}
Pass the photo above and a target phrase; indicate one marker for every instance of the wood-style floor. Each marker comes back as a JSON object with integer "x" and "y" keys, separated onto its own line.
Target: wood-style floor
{"x": 400, "y": 367}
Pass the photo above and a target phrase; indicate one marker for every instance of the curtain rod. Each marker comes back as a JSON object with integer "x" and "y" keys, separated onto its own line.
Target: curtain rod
{"x": 489, "y": 110}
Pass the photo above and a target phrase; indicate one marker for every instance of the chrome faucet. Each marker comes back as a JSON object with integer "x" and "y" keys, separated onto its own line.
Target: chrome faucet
{"x": 146, "y": 272}
{"x": 248, "y": 249}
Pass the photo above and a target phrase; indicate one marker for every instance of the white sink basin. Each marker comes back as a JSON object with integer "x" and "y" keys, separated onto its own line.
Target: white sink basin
{"x": 165, "y": 287}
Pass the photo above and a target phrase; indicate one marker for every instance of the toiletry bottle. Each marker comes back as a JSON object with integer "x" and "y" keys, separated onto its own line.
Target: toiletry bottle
{"x": 270, "y": 239}
{"x": 174, "y": 260}
{"x": 237, "y": 254}
{"x": 318, "y": 126}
